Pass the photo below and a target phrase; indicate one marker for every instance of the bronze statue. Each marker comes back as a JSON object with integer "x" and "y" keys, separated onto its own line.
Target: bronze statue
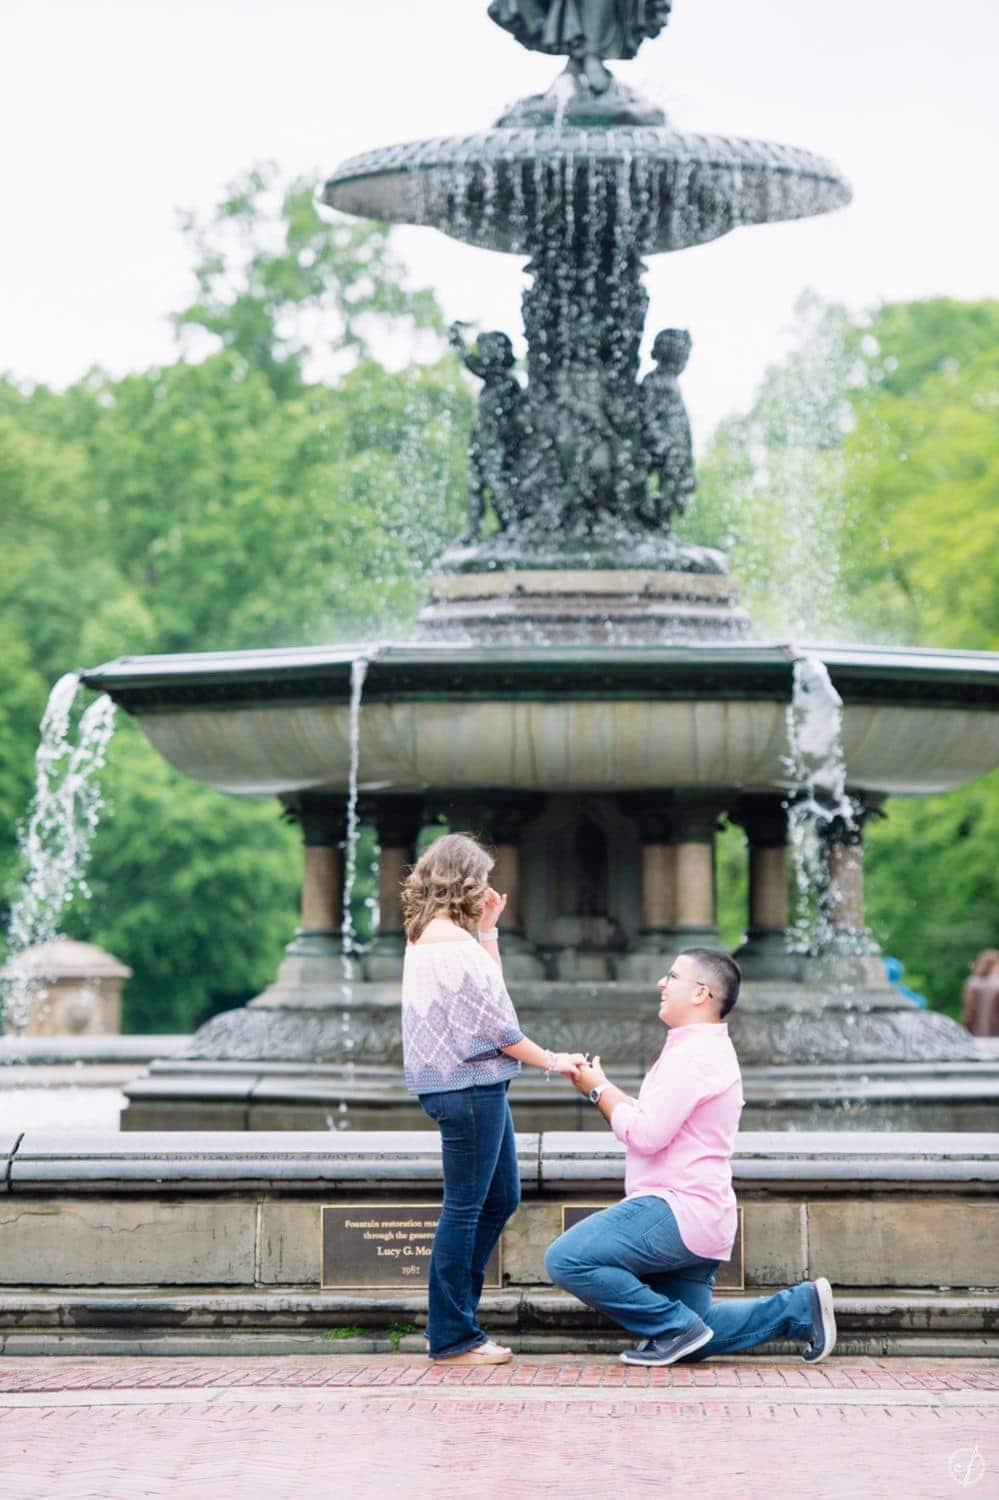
{"x": 497, "y": 436}
{"x": 665, "y": 426}
{"x": 585, "y": 31}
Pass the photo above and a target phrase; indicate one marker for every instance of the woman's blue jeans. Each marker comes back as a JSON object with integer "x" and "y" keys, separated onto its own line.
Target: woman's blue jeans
{"x": 630, "y": 1263}
{"x": 481, "y": 1191}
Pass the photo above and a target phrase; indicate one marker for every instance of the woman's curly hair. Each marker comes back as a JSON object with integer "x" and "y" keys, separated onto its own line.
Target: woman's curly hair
{"x": 450, "y": 879}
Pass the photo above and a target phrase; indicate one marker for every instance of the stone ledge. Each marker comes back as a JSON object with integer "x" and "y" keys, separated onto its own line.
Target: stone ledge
{"x": 32, "y": 1051}
{"x": 240, "y": 1213}
{"x": 215, "y": 1160}
{"x": 192, "y": 1308}
{"x": 554, "y": 1160}
{"x": 599, "y": 582}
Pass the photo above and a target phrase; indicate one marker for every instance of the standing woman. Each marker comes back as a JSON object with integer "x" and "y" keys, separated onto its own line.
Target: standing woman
{"x": 461, "y": 1046}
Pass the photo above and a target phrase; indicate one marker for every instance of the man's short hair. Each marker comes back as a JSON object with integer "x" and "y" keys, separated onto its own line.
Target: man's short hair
{"x": 720, "y": 973}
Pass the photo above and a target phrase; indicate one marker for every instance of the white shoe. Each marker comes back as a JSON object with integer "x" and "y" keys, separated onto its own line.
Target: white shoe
{"x": 483, "y": 1354}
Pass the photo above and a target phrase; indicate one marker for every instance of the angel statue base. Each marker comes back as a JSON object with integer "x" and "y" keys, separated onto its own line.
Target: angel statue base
{"x": 586, "y": 32}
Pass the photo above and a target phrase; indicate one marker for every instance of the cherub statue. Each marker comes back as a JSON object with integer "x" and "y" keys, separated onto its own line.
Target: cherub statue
{"x": 585, "y": 31}
{"x": 589, "y": 448}
{"x": 665, "y": 427}
{"x": 498, "y": 432}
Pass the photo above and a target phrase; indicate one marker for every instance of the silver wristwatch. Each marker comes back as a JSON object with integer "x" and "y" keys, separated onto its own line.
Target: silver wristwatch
{"x": 594, "y": 1094}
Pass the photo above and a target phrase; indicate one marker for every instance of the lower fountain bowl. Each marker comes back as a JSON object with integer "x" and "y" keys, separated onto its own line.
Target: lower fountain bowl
{"x": 579, "y": 717}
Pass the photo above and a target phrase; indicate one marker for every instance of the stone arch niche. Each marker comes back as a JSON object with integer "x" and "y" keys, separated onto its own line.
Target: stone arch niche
{"x": 581, "y": 876}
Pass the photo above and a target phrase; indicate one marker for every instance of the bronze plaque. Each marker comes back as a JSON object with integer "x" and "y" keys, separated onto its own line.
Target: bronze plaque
{"x": 731, "y": 1274}
{"x": 370, "y": 1245}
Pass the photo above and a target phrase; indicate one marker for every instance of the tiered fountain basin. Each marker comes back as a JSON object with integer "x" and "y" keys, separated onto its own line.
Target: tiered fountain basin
{"x": 500, "y": 188}
{"x": 554, "y": 719}
{"x": 600, "y": 775}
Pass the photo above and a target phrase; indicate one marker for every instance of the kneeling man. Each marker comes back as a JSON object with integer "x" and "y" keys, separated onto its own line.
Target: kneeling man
{"x": 649, "y": 1263}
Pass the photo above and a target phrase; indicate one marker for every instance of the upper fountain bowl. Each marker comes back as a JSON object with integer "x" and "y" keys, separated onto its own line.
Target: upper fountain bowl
{"x": 660, "y": 189}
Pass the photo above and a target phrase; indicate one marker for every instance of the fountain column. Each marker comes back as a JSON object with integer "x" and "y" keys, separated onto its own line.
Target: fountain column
{"x": 655, "y": 819}
{"x": 312, "y": 968}
{"x": 322, "y": 820}
{"x": 694, "y": 824}
{"x": 506, "y": 820}
{"x": 843, "y": 900}
{"x": 764, "y": 953}
{"x": 398, "y": 821}
{"x": 678, "y": 880}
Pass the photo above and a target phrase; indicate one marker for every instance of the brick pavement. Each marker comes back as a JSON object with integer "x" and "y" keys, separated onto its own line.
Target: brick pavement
{"x": 72, "y": 1429}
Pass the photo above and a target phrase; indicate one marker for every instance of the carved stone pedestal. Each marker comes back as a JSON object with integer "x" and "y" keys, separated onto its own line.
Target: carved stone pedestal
{"x": 689, "y": 597}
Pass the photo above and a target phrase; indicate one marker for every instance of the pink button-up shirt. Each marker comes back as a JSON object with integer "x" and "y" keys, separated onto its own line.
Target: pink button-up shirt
{"x": 680, "y": 1133}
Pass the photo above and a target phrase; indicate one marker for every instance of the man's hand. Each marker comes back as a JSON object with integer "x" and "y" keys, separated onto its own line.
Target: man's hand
{"x": 589, "y": 1076}
{"x": 567, "y": 1064}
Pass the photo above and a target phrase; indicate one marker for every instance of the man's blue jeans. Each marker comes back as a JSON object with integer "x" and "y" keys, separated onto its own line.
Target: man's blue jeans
{"x": 630, "y": 1263}
{"x": 481, "y": 1191}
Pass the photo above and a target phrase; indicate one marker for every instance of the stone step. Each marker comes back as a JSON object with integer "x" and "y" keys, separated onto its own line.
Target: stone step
{"x": 528, "y": 1312}
{"x": 239, "y": 1343}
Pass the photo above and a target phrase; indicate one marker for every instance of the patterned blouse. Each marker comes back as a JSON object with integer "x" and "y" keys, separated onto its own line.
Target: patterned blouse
{"x": 456, "y": 1015}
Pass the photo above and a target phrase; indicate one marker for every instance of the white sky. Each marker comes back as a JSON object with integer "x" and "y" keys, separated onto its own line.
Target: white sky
{"x": 115, "y": 112}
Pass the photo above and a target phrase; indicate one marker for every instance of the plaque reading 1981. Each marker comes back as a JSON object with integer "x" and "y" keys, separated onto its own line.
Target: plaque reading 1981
{"x": 371, "y": 1245}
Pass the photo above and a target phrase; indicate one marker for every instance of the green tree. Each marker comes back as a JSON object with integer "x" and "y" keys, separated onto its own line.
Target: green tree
{"x": 196, "y": 890}
{"x": 22, "y": 699}
{"x": 932, "y": 885}
{"x": 289, "y": 290}
{"x": 771, "y": 486}
{"x": 859, "y": 495}
{"x": 232, "y": 500}
{"x": 859, "y": 499}
{"x": 923, "y": 470}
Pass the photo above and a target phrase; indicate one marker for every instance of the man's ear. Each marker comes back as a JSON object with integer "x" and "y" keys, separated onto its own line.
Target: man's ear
{"x": 714, "y": 1005}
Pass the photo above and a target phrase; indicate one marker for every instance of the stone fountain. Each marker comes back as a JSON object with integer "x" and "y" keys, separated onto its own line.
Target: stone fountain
{"x": 582, "y": 690}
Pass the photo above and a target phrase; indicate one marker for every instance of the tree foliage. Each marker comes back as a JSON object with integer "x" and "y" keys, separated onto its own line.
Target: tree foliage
{"x": 225, "y": 501}
{"x": 290, "y": 292}
{"x": 858, "y": 495}
{"x": 859, "y": 498}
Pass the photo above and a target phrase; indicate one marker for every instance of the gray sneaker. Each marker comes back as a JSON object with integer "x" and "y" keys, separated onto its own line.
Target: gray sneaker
{"x": 666, "y": 1348}
{"x": 823, "y": 1339}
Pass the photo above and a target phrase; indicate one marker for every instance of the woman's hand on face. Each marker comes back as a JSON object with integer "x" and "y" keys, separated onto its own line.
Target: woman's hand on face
{"x": 492, "y": 909}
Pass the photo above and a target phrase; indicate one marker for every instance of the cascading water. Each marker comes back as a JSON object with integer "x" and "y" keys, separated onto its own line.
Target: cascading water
{"x": 348, "y": 932}
{"x": 820, "y": 807}
{"x": 58, "y": 832}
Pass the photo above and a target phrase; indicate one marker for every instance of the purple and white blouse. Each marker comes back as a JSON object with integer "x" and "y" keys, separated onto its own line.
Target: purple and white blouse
{"x": 456, "y": 1015}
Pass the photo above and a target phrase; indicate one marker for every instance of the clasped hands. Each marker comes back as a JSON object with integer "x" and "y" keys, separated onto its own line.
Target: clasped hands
{"x": 583, "y": 1073}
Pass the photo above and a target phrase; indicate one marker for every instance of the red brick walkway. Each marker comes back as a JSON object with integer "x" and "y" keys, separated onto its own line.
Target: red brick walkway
{"x": 385, "y": 1426}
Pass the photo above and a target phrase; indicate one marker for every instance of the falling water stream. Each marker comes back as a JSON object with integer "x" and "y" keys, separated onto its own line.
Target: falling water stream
{"x": 348, "y": 931}
{"x": 58, "y": 832}
{"x": 820, "y": 800}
